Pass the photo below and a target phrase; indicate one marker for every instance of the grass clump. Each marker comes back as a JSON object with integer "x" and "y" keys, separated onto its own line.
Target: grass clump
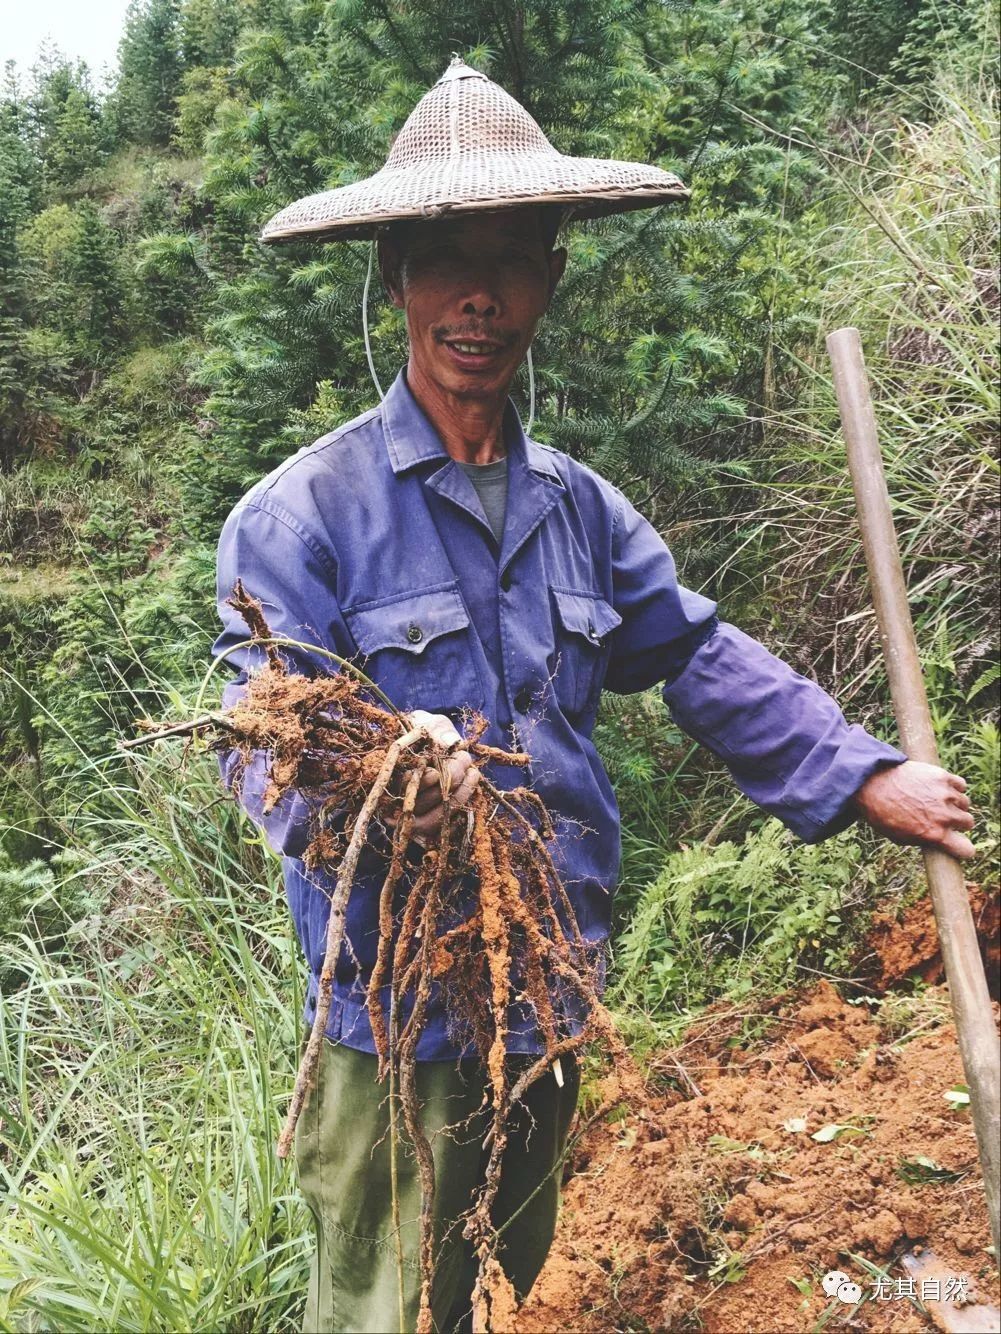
{"x": 144, "y": 1061}
{"x": 909, "y": 258}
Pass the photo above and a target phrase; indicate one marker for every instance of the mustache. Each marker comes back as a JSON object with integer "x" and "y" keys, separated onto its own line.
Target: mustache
{"x": 505, "y": 337}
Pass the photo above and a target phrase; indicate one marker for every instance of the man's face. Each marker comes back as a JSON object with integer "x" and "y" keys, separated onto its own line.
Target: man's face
{"x": 473, "y": 289}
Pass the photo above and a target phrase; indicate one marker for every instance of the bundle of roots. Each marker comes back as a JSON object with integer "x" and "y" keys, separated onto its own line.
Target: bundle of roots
{"x": 486, "y": 916}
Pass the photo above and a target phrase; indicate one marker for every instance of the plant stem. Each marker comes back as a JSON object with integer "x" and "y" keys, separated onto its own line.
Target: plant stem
{"x": 335, "y": 935}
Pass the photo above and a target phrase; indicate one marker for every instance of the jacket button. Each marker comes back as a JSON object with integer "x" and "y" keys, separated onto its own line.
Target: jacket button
{"x": 523, "y": 700}
{"x": 415, "y": 634}
{"x": 506, "y": 581}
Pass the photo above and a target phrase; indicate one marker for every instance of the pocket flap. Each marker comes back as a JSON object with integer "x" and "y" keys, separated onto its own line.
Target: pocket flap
{"x": 586, "y": 614}
{"x": 409, "y": 621}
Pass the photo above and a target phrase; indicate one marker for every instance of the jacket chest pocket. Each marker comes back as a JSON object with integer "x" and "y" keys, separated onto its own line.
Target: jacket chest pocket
{"x": 419, "y": 648}
{"x": 583, "y": 625}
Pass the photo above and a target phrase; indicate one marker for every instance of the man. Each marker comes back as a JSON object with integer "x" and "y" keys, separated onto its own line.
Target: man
{"x": 468, "y": 567}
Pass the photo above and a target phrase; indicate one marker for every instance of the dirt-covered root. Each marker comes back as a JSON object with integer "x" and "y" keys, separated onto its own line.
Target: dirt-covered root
{"x": 495, "y": 1305}
{"x": 480, "y": 912}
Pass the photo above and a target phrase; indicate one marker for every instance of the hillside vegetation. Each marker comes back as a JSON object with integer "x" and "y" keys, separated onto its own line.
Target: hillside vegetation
{"x": 155, "y": 360}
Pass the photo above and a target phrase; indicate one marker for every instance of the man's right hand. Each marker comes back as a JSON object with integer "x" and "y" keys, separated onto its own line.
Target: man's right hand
{"x": 920, "y": 803}
{"x": 461, "y": 774}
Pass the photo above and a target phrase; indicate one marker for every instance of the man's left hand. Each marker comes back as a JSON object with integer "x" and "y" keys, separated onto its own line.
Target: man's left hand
{"x": 461, "y": 776}
{"x": 918, "y": 803}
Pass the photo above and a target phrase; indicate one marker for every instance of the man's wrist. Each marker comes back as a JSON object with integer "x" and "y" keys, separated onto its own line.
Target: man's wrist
{"x": 858, "y": 801}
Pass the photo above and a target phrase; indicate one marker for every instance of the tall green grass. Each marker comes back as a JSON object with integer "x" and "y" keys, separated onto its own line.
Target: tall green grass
{"x": 910, "y": 258}
{"x": 145, "y": 1061}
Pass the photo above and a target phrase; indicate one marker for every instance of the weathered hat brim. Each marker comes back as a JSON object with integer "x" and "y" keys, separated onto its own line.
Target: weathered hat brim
{"x": 588, "y": 187}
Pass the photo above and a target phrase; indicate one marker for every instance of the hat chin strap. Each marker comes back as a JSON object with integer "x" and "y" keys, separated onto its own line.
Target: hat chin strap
{"x": 364, "y": 321}
{"x": 371, "y": 360}
{"x": 531, "y": 390}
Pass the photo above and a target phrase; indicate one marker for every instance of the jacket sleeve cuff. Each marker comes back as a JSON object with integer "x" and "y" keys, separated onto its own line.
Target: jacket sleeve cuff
{"x": 859, "y": 756}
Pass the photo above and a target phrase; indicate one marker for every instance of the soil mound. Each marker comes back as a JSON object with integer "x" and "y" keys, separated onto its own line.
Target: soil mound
{"x": 825, "y": 1142}
{"x": 909, "y": 947}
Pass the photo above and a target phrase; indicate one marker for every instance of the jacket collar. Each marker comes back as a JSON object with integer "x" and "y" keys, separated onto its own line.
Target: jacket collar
{"x": 411, "y": 439}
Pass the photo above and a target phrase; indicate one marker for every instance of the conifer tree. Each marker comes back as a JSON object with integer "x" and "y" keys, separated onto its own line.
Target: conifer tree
{"x": 18, "y": 189}
{"x": 76, "y": 145}
{"x": 63, "y": 122}
{"x": 209, "y": 30}
{"x": 150, "y": 68}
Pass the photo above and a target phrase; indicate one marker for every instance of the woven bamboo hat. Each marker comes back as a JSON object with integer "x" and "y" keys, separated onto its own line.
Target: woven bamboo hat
{"x": 468, "y": 147}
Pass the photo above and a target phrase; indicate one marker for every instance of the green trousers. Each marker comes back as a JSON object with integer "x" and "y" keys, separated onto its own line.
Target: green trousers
{"x": 343, "y": 1155}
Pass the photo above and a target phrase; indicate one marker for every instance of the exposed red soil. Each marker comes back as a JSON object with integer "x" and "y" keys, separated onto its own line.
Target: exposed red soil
{"x": 909, "y": 947}
{"x": 719, "y": 1165}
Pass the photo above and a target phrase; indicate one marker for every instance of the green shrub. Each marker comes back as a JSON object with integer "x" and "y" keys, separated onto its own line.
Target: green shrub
{"x": 722, "y": 920}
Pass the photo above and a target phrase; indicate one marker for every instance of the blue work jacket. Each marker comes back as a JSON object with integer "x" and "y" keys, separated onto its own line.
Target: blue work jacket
{"x": 372, "y": 542}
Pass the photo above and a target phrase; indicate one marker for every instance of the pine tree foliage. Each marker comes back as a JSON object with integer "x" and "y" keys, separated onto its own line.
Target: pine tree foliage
{"x": 150, "y": 68}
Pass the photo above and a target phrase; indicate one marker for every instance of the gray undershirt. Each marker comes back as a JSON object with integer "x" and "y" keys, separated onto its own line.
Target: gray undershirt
{"x": 490, "y": 481}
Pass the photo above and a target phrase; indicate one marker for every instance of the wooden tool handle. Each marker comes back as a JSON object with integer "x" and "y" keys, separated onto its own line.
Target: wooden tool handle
{"x": 971, "y": 1003}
